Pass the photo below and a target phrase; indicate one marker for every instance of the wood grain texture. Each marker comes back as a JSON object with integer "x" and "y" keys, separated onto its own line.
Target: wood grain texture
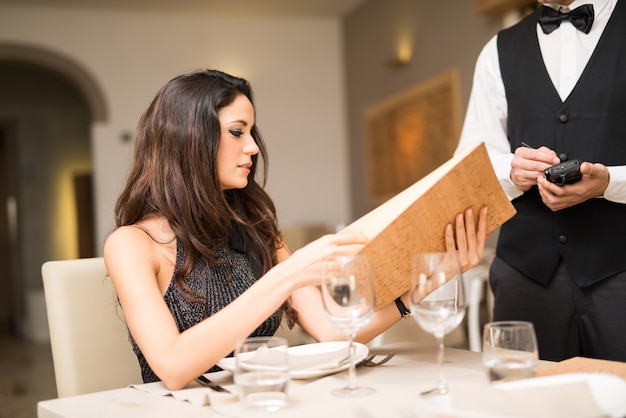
{"x": 414, "y": 220}
{"x": 583, "y": 365}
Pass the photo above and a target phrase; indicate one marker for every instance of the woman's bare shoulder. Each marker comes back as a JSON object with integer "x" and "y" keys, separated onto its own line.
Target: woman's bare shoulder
{"x": 129, "y": 235}
{"x": 148, "y": 246}
{"x": 125, "y": 244}
{"x": 145, "y": 238}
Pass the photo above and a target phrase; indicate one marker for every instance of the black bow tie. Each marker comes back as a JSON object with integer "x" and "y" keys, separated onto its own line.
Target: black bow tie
{"x": 581, "y": 17}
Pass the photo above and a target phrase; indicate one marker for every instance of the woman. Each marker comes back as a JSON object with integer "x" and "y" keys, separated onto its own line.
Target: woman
{"x": 197, "y": 259}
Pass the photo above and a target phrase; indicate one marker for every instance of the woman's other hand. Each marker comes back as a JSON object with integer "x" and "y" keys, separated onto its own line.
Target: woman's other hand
{"x": 470, "y": 237}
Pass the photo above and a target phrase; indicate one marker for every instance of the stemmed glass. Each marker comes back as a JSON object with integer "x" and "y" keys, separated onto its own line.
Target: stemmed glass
{"x": 437, "y": 301}
{"x": 349, "y": 297}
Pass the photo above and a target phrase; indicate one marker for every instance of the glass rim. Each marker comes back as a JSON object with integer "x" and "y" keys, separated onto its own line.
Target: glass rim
{"x": 276, "y": 340}
{"x": 509, "y": 324}
{"x": 264, "y": 337}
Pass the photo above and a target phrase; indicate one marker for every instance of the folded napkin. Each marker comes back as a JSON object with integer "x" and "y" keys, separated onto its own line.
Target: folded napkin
{"x": 301, "y": 397}
{"x": 194, "y": 392}
{"x": 327, "y": 356}
{"x": 313, "y": 360}
{"x": 264, "y": 358}
{"x": 572, "y": 400}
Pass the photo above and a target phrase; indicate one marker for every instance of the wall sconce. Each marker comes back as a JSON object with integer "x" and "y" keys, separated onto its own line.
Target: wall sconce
{"x": 396, "y": 62}
{"x": 403, "y": 54}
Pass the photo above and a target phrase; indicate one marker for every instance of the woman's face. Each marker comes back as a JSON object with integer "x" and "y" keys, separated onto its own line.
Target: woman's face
{"x": 234, "y": 156}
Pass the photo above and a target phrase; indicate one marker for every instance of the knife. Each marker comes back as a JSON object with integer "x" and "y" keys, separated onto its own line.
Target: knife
{"x": 206, "y": 382}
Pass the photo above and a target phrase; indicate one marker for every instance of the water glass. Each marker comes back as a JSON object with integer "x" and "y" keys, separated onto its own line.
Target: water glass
{"x": 262, "y": 373}
{"x": 509, "y": 350}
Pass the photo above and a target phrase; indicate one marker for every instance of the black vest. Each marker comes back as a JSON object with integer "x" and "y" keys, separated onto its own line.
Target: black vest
{"x": 589, "y": 125}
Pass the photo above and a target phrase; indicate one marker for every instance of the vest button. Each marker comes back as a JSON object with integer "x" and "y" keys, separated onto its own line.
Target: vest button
{"x": 563, "y": 118}
{"x": 563, "y": 239}
{"x": 563, "y": 157}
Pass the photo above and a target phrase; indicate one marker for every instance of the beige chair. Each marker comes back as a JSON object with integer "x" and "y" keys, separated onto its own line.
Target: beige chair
{"x": 91, "y": 350}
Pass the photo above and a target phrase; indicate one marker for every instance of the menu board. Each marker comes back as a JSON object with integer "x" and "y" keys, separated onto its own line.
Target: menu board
{"x": 415, "y": 219}
{"x": 583, "y": 365}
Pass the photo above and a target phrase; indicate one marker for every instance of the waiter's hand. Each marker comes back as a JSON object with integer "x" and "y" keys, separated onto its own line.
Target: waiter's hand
{"x": 528, "y": 164}
{"x": 593, "y": 183}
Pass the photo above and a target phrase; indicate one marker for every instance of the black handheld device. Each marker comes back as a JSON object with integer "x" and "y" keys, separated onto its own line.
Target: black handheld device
{"x": 567, "y": 172}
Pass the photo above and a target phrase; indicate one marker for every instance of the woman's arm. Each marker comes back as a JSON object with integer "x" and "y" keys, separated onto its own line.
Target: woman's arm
{"x": 133, "y": 262}
{"x": 140, "y": 272}
{"x": 467, "y": 237}
{"x": 136, "y": 265}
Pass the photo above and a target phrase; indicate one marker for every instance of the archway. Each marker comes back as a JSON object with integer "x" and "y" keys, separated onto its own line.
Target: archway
{"x": 51, "y": 102}
{"x": 56, "y": 61}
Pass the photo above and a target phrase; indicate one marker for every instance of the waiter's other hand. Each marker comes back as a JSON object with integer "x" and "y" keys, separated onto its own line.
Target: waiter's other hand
{"x": 593, "y": 183}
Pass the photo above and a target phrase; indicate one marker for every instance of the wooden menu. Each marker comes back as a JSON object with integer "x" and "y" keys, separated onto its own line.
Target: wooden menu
{"x": 414, "y": 220}
{"x": 584, "y": 365}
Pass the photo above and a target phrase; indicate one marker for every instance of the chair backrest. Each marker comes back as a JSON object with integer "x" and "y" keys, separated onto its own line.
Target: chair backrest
{"x": 91, "y": 350}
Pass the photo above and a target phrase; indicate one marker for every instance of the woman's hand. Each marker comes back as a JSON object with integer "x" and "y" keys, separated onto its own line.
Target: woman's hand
{"x": 470, "y": 237}
{"x": 469, "y": 242}
{"x": 307, "y": 263}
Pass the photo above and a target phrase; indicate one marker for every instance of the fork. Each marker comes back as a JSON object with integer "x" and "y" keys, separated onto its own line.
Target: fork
{"x": 210, "y": 384}
{"x": 369, "y": 360}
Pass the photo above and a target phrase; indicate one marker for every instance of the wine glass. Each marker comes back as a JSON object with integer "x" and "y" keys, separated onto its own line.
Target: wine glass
{"x": 437, "y": 301}
{"x": 349, "y": 297}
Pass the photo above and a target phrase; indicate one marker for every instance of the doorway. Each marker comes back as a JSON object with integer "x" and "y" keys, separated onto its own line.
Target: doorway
{"x": 6, "y": 288}
{"x": 46, "y": 207}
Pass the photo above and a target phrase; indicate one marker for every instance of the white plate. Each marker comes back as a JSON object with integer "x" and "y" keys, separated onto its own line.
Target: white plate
{"x": 303, "y": 358}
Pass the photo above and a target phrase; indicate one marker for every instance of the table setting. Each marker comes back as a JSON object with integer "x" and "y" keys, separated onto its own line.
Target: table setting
{"x": 306, "y": 363}
{"x": 267, "y": 377}
{"x": 399, "y": 382}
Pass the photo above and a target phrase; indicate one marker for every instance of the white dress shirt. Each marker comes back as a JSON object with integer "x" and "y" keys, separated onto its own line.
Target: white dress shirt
{"x": 565, "y": 53}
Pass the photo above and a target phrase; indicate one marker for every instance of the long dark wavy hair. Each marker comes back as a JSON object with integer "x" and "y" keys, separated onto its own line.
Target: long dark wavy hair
{"x": 174, "y": 174}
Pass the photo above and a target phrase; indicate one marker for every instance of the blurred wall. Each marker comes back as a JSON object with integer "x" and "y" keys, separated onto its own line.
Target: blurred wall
{"x": 295, "y": 66}
{"x": 313, "y": 79}
{"x": 440, "y": 35}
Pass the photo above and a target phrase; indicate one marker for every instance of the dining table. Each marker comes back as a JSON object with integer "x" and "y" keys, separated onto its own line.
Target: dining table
{"x": 398, "y": 384}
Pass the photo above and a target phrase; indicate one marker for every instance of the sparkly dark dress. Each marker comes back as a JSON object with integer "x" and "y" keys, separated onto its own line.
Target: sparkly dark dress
{"x": 219, "y": 293}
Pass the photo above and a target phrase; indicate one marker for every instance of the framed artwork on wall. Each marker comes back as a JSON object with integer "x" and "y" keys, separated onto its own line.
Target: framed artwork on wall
{"x": 411, "y": 134}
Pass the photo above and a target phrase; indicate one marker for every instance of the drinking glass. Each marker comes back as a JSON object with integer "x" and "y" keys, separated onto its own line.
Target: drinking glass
{"x": 262, "y": 373}
{"x": 509, "y": 350}
{"x": 349, "y": 297}
{"x": 437, "y": 301}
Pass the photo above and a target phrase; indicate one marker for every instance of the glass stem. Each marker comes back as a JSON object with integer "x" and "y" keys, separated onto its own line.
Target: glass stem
{"x": 442, "y": 385}
{"x": 352, "y": 371}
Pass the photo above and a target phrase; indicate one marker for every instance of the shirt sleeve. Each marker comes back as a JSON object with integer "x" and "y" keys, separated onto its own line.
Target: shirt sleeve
{"x": 486, "y": 117}
{"x": 616, "y": 190}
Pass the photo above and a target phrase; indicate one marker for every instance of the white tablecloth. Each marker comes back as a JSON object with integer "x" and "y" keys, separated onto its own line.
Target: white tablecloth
{"x": 397, "y": 383}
